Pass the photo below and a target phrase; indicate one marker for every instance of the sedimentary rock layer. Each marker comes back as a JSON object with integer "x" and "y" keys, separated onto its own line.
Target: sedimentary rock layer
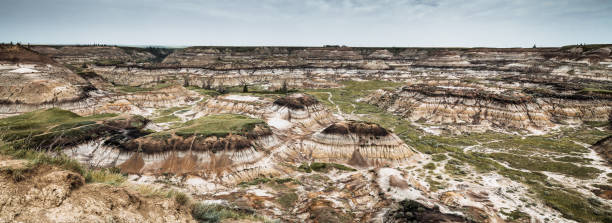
{"x": 97, "y": 102}
{"x": 474, "y": 106}
{"x": 352, "y": 142}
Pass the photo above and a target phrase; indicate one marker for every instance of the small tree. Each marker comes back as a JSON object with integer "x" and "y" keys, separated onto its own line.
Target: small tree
{"x": 221, "y": 89}
{"x": 245, "y": 89}
{"x": 186, "y": 81}
{"x": 284, "y": 87}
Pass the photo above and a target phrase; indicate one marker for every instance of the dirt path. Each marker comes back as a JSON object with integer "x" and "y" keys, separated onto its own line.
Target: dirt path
{"x": 330, "y": 100}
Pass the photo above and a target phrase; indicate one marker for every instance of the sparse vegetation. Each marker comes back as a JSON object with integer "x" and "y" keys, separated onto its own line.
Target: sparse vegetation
{"x": 265, "y": 180}
{"x": 516, "y": 215}
{"x": 134, "y": 89}
{"x": 430, "y": 166}
{"x": 211, "y": 213}
{"x": 167, "y": 118}
{"x": 438, "y": 157}
{"x": 538, "y": 164}
{"x": 323, "y": 167}
{"x": 107, "y": 176}
{"x": 256, "y": 181}
{"x": 179, "y": 197}
{"x": 287, "y": 200}
{"x": 204, "y": 91}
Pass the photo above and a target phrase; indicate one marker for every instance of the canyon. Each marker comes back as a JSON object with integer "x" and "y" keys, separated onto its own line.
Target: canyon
{"x": 306, "y": 134}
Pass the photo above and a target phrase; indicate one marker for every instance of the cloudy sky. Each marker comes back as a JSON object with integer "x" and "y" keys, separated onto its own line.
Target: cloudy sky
{"x": 493, "y": 23}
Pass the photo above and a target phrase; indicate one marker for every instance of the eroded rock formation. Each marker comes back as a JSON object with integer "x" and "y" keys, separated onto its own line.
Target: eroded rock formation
{"x": 353, "y": 142}
{"x": 478, "y": 108}
{"x": 49, "y": 194}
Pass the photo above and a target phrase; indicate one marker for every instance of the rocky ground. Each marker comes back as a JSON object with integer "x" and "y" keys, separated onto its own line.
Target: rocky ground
{"x": 286, "y": 134}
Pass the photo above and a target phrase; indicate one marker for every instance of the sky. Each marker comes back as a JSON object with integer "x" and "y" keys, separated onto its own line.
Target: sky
{"x": 360, "y": 23}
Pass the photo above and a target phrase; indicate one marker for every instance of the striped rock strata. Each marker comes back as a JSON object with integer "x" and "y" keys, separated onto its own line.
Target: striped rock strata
{"x": 227, "y": 159}
{"x": 473, "y": 108}
{"x": 352, "y": 142}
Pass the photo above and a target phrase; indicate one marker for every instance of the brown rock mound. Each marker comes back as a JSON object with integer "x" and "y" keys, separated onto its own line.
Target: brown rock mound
{"x": 356, "y": 127}
{"x": 20, "y": 54}
{"x": 296, "y": 101}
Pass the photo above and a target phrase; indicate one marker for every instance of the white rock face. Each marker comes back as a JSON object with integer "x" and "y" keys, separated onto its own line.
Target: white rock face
{"x": 24, "y": 70}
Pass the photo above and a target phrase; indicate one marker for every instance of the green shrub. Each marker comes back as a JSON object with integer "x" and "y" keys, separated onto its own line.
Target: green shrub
{"x": 107, "y": 176}
{"x": 324, "y": 167}
{"x": 256, "y": 181}
{"x": 287, "y": 200}
{"x": 541, "y": 164}
{"x": 304, "y": 167}
{"x": 430, "y": 166}
{"x": 438, "y": 157}
{"x": 179, "y": 197}
{"x": 212, "y": 213}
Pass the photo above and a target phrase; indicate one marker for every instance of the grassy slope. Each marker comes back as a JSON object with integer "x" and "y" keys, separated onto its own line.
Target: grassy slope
{"x": 41, "y": 121}
{"x": 215, "y": 125}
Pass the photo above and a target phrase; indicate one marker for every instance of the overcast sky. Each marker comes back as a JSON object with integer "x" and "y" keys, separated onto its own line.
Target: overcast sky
{"x": 492, "y": 23}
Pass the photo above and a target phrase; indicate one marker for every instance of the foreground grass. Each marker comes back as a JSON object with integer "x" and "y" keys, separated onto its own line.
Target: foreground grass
{"x": 213, "y": 213}
{"x": 38, "y": 159}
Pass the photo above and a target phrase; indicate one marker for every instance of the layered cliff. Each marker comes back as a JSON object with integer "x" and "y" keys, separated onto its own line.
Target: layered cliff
{"x": 108, "y": 55}
{"x": 211, "y": 147}
{"x": 473, "y": 107}
{"x": 315, "y": 67}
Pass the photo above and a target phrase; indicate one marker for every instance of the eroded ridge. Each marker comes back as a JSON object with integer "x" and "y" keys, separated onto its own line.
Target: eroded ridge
{"x": 478, "y": 108}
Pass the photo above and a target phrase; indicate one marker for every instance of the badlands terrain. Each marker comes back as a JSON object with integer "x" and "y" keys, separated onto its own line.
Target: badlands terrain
{"x": 305, "y": 134}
